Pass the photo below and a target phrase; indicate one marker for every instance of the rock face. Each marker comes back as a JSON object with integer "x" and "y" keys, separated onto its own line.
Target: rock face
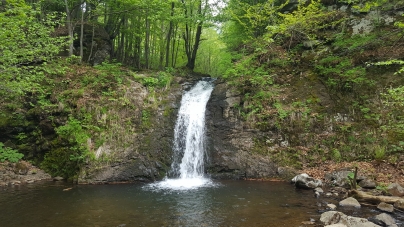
{"x": 335, "y": 218}
{"x": 305, "y": 181}
{"x": 350, "y": 202}
{"x": 230, "y": 141}
{"x": 148, "y": 151}
{"x": 97, "y": 48}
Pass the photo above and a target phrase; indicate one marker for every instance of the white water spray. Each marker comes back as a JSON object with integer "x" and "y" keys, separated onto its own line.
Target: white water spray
{"x": 189, "y": 140}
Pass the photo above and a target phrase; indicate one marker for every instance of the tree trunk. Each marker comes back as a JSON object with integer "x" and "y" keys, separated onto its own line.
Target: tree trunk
{"x": 81, "y": 33}
{"x": 69, "y": 28}
{"x": 147, "y": 41}
{"x": 169, "y": 34}
{"x": 191, "y": 42}
{"x": 92, "y": 45}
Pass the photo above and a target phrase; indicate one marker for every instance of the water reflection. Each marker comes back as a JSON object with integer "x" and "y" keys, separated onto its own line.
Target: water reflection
{"x": 229, "y": 203}
{"x": 193, "y": 208}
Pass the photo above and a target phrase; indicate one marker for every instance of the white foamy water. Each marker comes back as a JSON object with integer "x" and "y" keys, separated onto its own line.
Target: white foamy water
{"x": 189, "y": 141}
{"x": 180, "y": 184}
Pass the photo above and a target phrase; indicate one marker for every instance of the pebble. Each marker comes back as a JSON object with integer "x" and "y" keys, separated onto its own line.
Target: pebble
{"x": 331, "y": 206}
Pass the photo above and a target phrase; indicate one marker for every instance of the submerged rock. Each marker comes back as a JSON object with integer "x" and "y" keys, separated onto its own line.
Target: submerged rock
{"x": 385, "y": 207}
{"x": 305, "y": 181}
{"x": 383, "y": 220}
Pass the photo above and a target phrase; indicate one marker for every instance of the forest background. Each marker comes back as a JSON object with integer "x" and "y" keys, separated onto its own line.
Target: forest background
{"x": 302, "y": 69}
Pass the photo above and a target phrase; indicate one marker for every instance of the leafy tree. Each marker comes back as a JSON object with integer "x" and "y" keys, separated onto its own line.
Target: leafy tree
{"x": 26, "y": 50}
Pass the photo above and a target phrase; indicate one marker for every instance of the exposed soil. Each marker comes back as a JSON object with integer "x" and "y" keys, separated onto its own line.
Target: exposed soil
{"x": 382, "y": 172}
{"x": 20, "y": 173}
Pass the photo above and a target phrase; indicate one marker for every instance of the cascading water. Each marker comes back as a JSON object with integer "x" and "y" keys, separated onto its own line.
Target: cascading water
{"x": 189, "y": 140}
{"x": 189, "y": 133}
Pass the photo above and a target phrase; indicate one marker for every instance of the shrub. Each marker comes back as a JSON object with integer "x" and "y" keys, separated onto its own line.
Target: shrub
{"x": 9, "y": 154}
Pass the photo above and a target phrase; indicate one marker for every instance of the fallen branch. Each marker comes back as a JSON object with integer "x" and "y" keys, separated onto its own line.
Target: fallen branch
{"x": 365, "y": 197}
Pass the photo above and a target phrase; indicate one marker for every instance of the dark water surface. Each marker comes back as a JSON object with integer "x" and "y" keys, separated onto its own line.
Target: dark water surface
{"x": 229, "y": 203}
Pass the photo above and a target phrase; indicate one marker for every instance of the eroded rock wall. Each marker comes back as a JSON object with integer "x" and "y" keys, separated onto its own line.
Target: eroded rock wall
{"x": 230, "y": 140}
{"x": 145, "y": 152}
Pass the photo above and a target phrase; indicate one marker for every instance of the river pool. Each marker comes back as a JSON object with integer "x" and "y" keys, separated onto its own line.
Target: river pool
{"x": 223, "y": 203}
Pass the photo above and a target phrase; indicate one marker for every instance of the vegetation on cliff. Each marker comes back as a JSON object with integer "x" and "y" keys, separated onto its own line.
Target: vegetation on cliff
{"x": 331, "y": 90}
{"x": 325, "y": 77}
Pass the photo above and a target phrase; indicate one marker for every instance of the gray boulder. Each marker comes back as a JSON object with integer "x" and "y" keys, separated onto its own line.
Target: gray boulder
{"x": 368, "y": 183}
{"x": 334, "y": 217}
{"x": 350, "y": 202}
{"x": 384, "y": 220}
{"x": 395, "y": 190}
{"x": 385, "y": 207}
{"x": 338, "y": 178}
{"x": 305, "y": 181}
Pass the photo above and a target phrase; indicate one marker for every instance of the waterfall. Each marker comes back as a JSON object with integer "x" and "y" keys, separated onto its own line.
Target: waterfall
{"x": 189, "y": 155}
{"x": 189, "y": 133}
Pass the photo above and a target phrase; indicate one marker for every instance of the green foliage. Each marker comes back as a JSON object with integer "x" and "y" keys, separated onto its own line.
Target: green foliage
{"x": 340, "y": 74}
{"x": 336, "y": 155}
{"x": 9, "y": 154}
{"x": 364, "y": 6}
{"x": 58, "y": 162}
{"x": 393, "y": 62}
{"x": 213, "y": 57}
{"x": 65, "y": 161}
{"x": 379, "y": 153}
{"x": 74, "y": 133}
{"x": 161, "y": 80}
{"x": 303, "y": 23}
{"x": 393, "y": 100}
{"x": 382, "y": 187}
{"x": 352, "y": 43}
{"x": 27, "y": 48}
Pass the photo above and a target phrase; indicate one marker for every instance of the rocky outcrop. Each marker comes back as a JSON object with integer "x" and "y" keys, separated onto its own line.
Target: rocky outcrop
{"x": 145, "y": 152}
{"x": 97, "y": 44}
{"x": 231, "y": 141}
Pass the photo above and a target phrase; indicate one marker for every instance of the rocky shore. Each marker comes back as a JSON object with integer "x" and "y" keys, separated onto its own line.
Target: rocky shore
{"x": 20, "y": 173}
{"x": 340, "y": 193}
